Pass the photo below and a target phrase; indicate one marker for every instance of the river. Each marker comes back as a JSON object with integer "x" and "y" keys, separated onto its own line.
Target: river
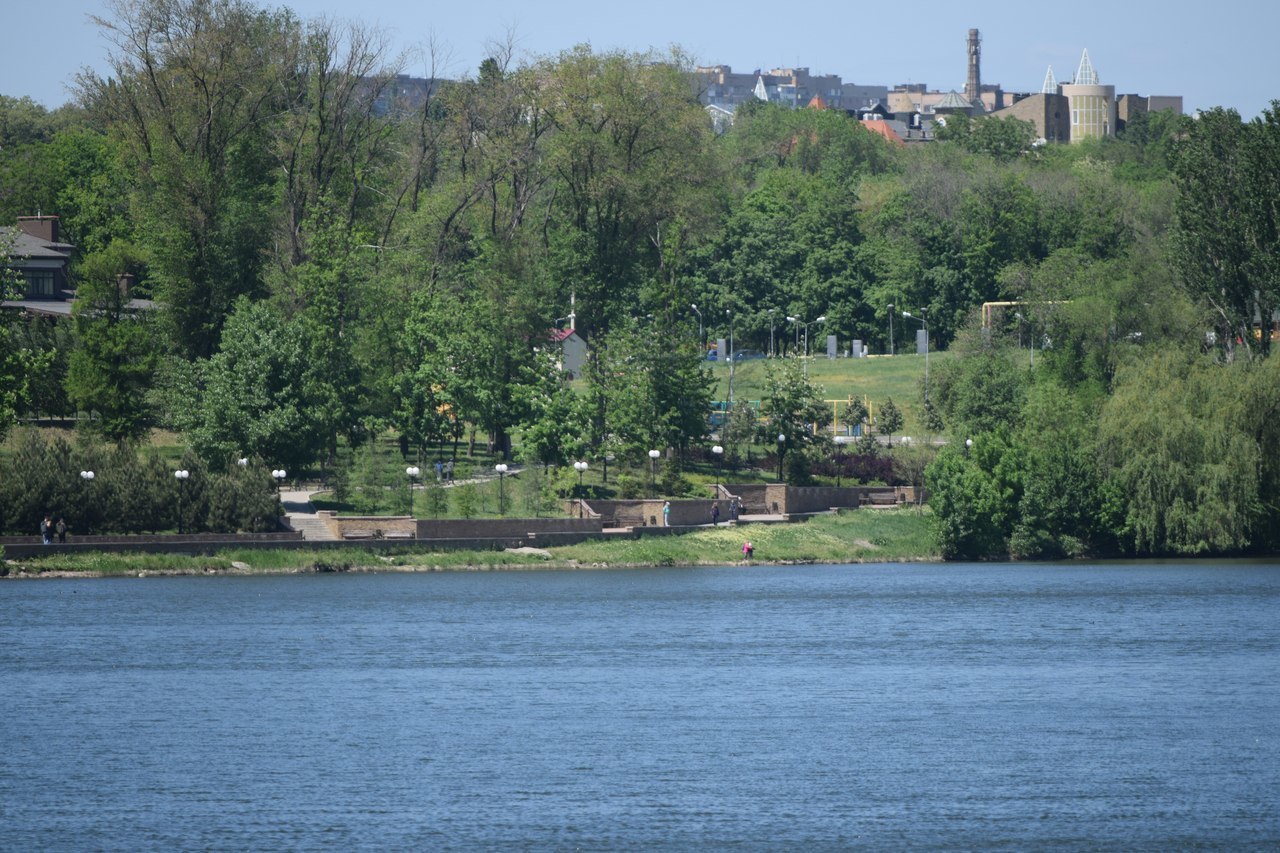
{"x": 1011, "y": 706}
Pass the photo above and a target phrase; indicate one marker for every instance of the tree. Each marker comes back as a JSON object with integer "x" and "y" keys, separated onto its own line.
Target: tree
{"x": 111, "y": 369}
{"x": 1001, "y": 139}
{"x": 1171, "y": 442}
{"x": 257, "y": 394}
{"x": 1227, "y": 235}
{"x": 794, "y": 409}
{"x": 194, "y": 85}
{"x": 890, "y": 419}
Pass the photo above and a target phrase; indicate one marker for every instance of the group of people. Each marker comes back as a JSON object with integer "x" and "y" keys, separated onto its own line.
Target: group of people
{"x": 49, "y": 528}
{"x": 444, "y": 470}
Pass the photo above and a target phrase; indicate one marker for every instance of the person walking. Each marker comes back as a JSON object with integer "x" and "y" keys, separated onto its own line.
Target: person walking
{"x": 62, "y": 531}
{"x": 666, "y": 513}
{"x": 439, "y": 471}
{"x": 448, "y": 471}
{"x": 46, "y": 530}
{"x": 715, "y": 513}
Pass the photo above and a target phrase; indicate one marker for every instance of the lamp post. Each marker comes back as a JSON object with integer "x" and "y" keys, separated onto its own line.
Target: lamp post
{"x": 181, "y": 476}
{"x": 782, "y": 448}
{"x": 87, "y": 477}
{"x": 699, "y": 313}
{"x": 890, "y": 328}
{"x": 243, "y": 461}
{"x": 278, "y": 474}
{"x": 608, "y": 457}
{"x": 924, "y": 322}
{"x": 581, "y": 468}
{"x": 412, "y": 472}
{"x": 733, "y": 355}
{"x": 653, "y": 471}
{"x": 968, "y": 445}
{"x": 805, "y": 325}
{"x": 718, "y": 452}
{"x": 501, "y": 468}
{"x": 770, "y": 333}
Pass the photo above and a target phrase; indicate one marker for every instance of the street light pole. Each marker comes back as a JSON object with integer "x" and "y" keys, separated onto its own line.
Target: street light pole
{"x": 732, "y": 355}
{"x": 181, "y": 476}
{"x": 771, "y": 353}
{"x": 87, "y": 476}
{"x": 718, "y": 451}
{"x": 699, "y": 313}
{"x": 581, "y": 468}
{"x": 413, "y": 472}
{"x": 805, "y": 325}
{"x": 890, "y": 328}
{"x": 782, "y": 448}
{"x": 653, "y": 471}
{"x": 501, "y": 468}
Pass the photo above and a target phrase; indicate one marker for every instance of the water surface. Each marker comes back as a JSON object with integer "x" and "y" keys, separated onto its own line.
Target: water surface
{"x": 1015, "y": 706}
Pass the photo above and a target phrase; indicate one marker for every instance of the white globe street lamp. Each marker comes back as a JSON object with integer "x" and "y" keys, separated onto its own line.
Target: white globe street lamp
{"x": 718, "y": 451}
{"x": 653, "y": 471}
{"x": 501, "y": 468}
{"x": 412, "y": 472}
{"x": 181, "y": 476}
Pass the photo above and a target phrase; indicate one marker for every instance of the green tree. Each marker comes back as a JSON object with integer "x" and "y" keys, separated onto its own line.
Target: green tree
{"x": 255, "y": 396}
{"x": 1227, "y": 244}
{"x": 889, "y": 421}
{"x": 1171, "y": 442}
{"x": 194, "y": 84}
{"x": 111, "y": 370}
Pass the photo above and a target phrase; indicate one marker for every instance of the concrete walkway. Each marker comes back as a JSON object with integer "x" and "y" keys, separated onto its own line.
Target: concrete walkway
{"x": 300, "y": 514}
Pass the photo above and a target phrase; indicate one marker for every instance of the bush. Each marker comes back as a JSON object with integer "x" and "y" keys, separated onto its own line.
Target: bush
{"x": 630, "y": 486}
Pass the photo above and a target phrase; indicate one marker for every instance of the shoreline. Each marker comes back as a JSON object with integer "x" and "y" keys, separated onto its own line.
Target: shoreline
{"x": 19, "y": 573}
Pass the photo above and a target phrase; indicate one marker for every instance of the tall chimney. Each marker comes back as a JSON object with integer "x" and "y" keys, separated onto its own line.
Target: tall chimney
{"x": 973, "y": 85}
{"x": 41, "y": 227}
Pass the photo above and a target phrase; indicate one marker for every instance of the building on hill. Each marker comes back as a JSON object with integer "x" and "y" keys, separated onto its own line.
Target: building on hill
{"x": 1049, "y": 112}
{"x": 41, "y": 261}
{"x": 1092, "y": 105}
{"x": 792, "y": 87}
{"x": 1129, "y": 107}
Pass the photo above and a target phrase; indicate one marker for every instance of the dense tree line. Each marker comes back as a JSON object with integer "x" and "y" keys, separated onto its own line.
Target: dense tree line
{"x": 331, "y": 263}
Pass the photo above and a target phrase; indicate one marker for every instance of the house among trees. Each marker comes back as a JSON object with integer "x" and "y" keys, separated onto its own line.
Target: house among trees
{"x": 573, "y": 351}
{"x": 40, "y": 260}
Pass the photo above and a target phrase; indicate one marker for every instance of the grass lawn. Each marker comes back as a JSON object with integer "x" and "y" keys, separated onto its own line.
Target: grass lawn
{"x": 876, "y": 378}
{"x": 888, "y": 535}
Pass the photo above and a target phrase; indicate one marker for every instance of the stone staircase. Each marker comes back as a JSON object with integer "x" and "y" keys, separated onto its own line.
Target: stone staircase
{"x": 311, "y": 526}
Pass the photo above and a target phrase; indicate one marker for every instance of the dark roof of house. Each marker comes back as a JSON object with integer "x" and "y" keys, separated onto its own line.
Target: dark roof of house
{"x": 63, "y": 308}
{"x": 26, "y": 246}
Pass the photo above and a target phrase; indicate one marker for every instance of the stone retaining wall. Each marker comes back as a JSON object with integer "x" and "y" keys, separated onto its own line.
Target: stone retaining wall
{"x": 521, "y": 528}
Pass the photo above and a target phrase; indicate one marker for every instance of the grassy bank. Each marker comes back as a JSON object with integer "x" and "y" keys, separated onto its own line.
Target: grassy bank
{"x": 861, "y": 536}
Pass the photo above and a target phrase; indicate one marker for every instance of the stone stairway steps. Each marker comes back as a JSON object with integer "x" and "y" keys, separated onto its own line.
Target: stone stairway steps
{"x": 311, "y": 526}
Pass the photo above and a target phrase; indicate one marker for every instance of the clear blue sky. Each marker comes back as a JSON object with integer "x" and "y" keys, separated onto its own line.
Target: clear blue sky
{"x": 1220, "y": 53}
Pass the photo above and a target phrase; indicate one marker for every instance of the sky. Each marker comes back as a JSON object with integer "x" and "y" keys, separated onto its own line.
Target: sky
{"x": 1219, "y": 54}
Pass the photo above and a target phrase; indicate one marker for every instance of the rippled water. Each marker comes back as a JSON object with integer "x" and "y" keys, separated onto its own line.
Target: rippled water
{"x": 1118, "y": 706}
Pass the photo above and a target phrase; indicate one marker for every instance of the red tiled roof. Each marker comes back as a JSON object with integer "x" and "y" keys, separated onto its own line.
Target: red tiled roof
{"x": 560, "y": 335}
{"x": 881, "y": 127}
